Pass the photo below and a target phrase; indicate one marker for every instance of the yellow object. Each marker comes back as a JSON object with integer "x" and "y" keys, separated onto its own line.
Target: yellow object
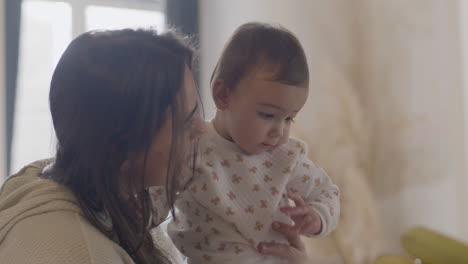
{"x": 388, "y": 259}
{"x": 434, "y": 248}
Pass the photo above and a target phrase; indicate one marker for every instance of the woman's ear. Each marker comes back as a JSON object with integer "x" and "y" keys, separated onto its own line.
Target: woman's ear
{"x": 221, "y": 94}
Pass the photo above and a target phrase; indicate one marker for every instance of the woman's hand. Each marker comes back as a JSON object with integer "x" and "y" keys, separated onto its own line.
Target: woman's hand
{"x": 294, "y": 252}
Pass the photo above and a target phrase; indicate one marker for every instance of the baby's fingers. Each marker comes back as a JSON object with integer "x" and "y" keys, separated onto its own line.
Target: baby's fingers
{"x": 298, "y": 200}
{"x": 295, "y": 211}
{"x": 287, "y": 230}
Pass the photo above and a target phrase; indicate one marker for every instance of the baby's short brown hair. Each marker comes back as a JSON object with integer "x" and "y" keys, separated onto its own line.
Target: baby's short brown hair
{"x": 259, "y": 44}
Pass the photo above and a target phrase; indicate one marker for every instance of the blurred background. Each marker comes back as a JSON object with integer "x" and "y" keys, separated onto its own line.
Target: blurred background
{"x": 386, "y": 114}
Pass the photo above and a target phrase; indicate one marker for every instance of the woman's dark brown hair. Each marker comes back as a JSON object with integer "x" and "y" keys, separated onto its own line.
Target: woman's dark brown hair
{"x": 109, "y": 96}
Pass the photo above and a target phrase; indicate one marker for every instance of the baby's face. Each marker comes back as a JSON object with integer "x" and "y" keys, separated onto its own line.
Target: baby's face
{"x": 260, "y": 112}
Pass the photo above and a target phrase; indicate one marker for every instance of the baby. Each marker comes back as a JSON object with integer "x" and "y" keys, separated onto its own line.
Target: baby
{"x": 250, "y": 174}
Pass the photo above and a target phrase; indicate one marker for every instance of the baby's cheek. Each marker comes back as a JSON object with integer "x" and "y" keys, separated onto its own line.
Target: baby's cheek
{"x": 252, "y": 130}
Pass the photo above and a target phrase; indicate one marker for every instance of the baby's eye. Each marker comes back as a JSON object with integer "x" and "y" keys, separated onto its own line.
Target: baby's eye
{"x": 290, "y": 119}
{"x": 266, "y": 115}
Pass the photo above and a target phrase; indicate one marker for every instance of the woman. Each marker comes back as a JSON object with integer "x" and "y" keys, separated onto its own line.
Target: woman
{"x": 125, "y": 112}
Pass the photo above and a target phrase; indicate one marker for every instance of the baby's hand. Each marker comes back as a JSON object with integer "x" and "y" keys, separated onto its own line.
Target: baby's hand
{"x": 306, "y": 220}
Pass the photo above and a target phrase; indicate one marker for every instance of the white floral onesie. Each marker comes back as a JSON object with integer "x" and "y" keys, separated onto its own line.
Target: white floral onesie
{"x": 230, "y": 204}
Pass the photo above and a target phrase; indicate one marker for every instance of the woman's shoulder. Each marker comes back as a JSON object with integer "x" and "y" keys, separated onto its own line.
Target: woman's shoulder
{"x": 59, "y": 237}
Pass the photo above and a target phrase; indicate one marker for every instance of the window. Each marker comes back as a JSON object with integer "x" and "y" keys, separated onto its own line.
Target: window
{"x": 46, "y": 29}
{"x": 111, "y": 18}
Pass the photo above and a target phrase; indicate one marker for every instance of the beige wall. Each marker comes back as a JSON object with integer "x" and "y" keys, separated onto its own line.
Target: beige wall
{"x": 2, "y": 93}
{"x": 410, "y": 84}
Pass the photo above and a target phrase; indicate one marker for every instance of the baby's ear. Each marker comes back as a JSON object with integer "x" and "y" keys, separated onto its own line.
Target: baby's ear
{"x": 221, "y": 94}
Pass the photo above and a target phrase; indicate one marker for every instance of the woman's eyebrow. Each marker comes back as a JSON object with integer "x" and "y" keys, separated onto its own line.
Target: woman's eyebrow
{"x": 190, "y": 115}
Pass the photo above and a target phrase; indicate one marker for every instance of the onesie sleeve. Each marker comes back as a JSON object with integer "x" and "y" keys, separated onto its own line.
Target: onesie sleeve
{"x": 317, "y": 190}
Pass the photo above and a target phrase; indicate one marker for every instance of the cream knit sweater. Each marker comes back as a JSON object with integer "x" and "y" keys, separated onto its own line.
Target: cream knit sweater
{"x": 42, "y": 223}
{"x": 231, "y": 202}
